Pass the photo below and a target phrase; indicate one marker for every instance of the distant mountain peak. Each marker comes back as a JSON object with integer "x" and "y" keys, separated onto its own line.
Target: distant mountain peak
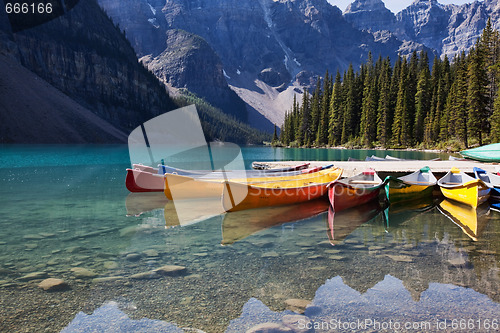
{"x": 371, "y": 15}
{"x": 366, "y": 5}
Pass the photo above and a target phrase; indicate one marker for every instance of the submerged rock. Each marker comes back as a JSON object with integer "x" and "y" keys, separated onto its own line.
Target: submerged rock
{"x": 270, "y": 328}
{"x": 400, "y": 258}
{"x": 133, "y": 257}
{"x": 33, "y": 276}
{"x": 107, "y": 279}
{"x": 271, "y": 254}
{"x": 297, "y": 305}
{"x": 298, "y": 323}
{"x": 52, "y": 284}
{"x": 170, "y": 270}
{"x": 145, "y": 275}
{"x": 110, "y": 265}
{"x": 83, "y": 273}
{"x": 150, "y": 253}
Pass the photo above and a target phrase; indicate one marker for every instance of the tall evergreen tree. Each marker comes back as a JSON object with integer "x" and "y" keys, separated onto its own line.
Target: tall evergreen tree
{"x": 336, "y": 115}
{"x": 401, "y": 130}
{"x": 477, "y": 99}
{"x": 422, "y": 103}
{"x": 384, "y": 111}
{"x": 368, "y": 130}
{"x": 315, "y": 114}
{"x": 322, "y": 133}
{"x": 349, "y": 114}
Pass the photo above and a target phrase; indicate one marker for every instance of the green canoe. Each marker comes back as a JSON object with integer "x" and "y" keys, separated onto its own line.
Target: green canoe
{"x": 488, "y": 153}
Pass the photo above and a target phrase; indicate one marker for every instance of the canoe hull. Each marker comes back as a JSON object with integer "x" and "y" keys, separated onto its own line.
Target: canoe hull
{"x": 240, "y": 196}
{"x": 343, "y": 196}
{"x": 181, "y": 187}
{"x": 400, "y": 191}
{"x": 184, "y": 187}
{"x": 472, "y": 193}
{"x": 488, "y": 153}
{"x": 249, "y": 197}
{"x": 138, "y": 181}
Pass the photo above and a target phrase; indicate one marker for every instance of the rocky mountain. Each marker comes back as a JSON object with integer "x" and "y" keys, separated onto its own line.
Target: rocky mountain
{"x": 446, "y": 29}
{"x": 76, "y": 79}
{"x": 371, "y": 15}
{"x": 268, "y": 50}
{"x": 89, "y": 72}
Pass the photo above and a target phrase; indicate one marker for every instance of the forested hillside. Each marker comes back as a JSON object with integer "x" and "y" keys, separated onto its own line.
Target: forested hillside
{"x": 452, "y": 103}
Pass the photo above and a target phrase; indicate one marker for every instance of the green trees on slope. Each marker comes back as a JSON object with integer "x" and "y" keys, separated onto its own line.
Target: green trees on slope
{"x": 404, "y": 105}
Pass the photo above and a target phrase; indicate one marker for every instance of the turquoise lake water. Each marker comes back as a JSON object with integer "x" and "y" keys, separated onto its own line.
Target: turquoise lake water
{"x": 65, "y": 213}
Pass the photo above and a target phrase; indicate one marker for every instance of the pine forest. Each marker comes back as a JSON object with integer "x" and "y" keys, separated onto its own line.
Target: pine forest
{"x": 449, "y": 104}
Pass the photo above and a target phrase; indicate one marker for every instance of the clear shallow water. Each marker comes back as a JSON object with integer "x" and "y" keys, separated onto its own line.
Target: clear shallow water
{"x": 409, "y": 265}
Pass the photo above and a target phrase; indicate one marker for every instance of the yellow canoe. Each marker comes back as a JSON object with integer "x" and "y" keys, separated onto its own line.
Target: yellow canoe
{"x": 183, "y": 187}
{"x": 239, "y": 196}
{"x": 458, "y": 186}
{"x": 472, "y": 221}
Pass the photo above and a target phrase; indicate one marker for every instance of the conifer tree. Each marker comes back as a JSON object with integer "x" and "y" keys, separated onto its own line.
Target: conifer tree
{"x": 322, "y": 133}
{"x": 477, "y": 95}
{"x": 401, "y": 135}
{"x": 422, "y": 103}
{"x": 315, "y": 114}
{"x": 349, "y": 116}
{"x": 384, "y": 111}
{"x": 336, "y": 116}
{"x": 369, "y": 106}
{"x": 303, "y": 128}
{"x": 495, "y": 120}
{"x": 459, "y": 113}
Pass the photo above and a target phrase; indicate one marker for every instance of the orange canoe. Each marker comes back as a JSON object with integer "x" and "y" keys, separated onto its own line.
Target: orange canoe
{"x": 238, "y": 196}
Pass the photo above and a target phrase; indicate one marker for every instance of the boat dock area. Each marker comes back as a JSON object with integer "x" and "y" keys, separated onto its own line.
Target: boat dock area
{"x": 396, "y": 168}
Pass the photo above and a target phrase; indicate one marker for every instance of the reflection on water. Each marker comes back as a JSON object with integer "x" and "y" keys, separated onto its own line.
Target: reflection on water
{"x": 471, "y": 220}
{"x": 405, "y": 264}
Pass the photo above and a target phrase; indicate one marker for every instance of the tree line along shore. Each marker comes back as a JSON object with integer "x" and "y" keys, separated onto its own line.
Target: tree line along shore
{"x": 450, "y": 105}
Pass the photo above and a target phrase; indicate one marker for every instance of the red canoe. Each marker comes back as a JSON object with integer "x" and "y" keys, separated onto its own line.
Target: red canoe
{"x": 354, "y": 191}
{"x": 143, "y": 181}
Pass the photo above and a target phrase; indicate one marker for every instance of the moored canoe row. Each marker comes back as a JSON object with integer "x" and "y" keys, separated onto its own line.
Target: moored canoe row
{"x": 265, "y": 189}
{"x": 148, "y": 179}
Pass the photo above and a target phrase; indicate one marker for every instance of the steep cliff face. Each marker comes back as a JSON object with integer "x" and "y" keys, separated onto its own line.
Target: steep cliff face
{"x": 446, "y": 29}
{"x": 189, "y": 62}
{"x": 83, "y": 54}
{"x": 33, "y": 111}
{"x": 426, "y": 22}
{"x": 167, "y": 49}
{"x": 262, "y": 44}
{"x": 77, "y": 79}
{"x": 371, "y": 15}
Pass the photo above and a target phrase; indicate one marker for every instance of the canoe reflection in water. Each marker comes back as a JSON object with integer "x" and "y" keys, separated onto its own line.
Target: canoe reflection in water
{"x": 189, "y": 211}
{"x": 140, "y": 203}
{"x": 471, "y": 220}
{"x": 401, "y": 212}
{"x": 342, "y": 224}
{"x": 239, "y": 225}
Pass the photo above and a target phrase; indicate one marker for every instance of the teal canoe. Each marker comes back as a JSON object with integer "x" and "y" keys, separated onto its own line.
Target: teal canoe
{"x": 488, "y": 153}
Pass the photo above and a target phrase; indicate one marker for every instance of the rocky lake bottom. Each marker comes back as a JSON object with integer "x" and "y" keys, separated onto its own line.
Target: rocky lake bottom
{"x": 78, "y": 254}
